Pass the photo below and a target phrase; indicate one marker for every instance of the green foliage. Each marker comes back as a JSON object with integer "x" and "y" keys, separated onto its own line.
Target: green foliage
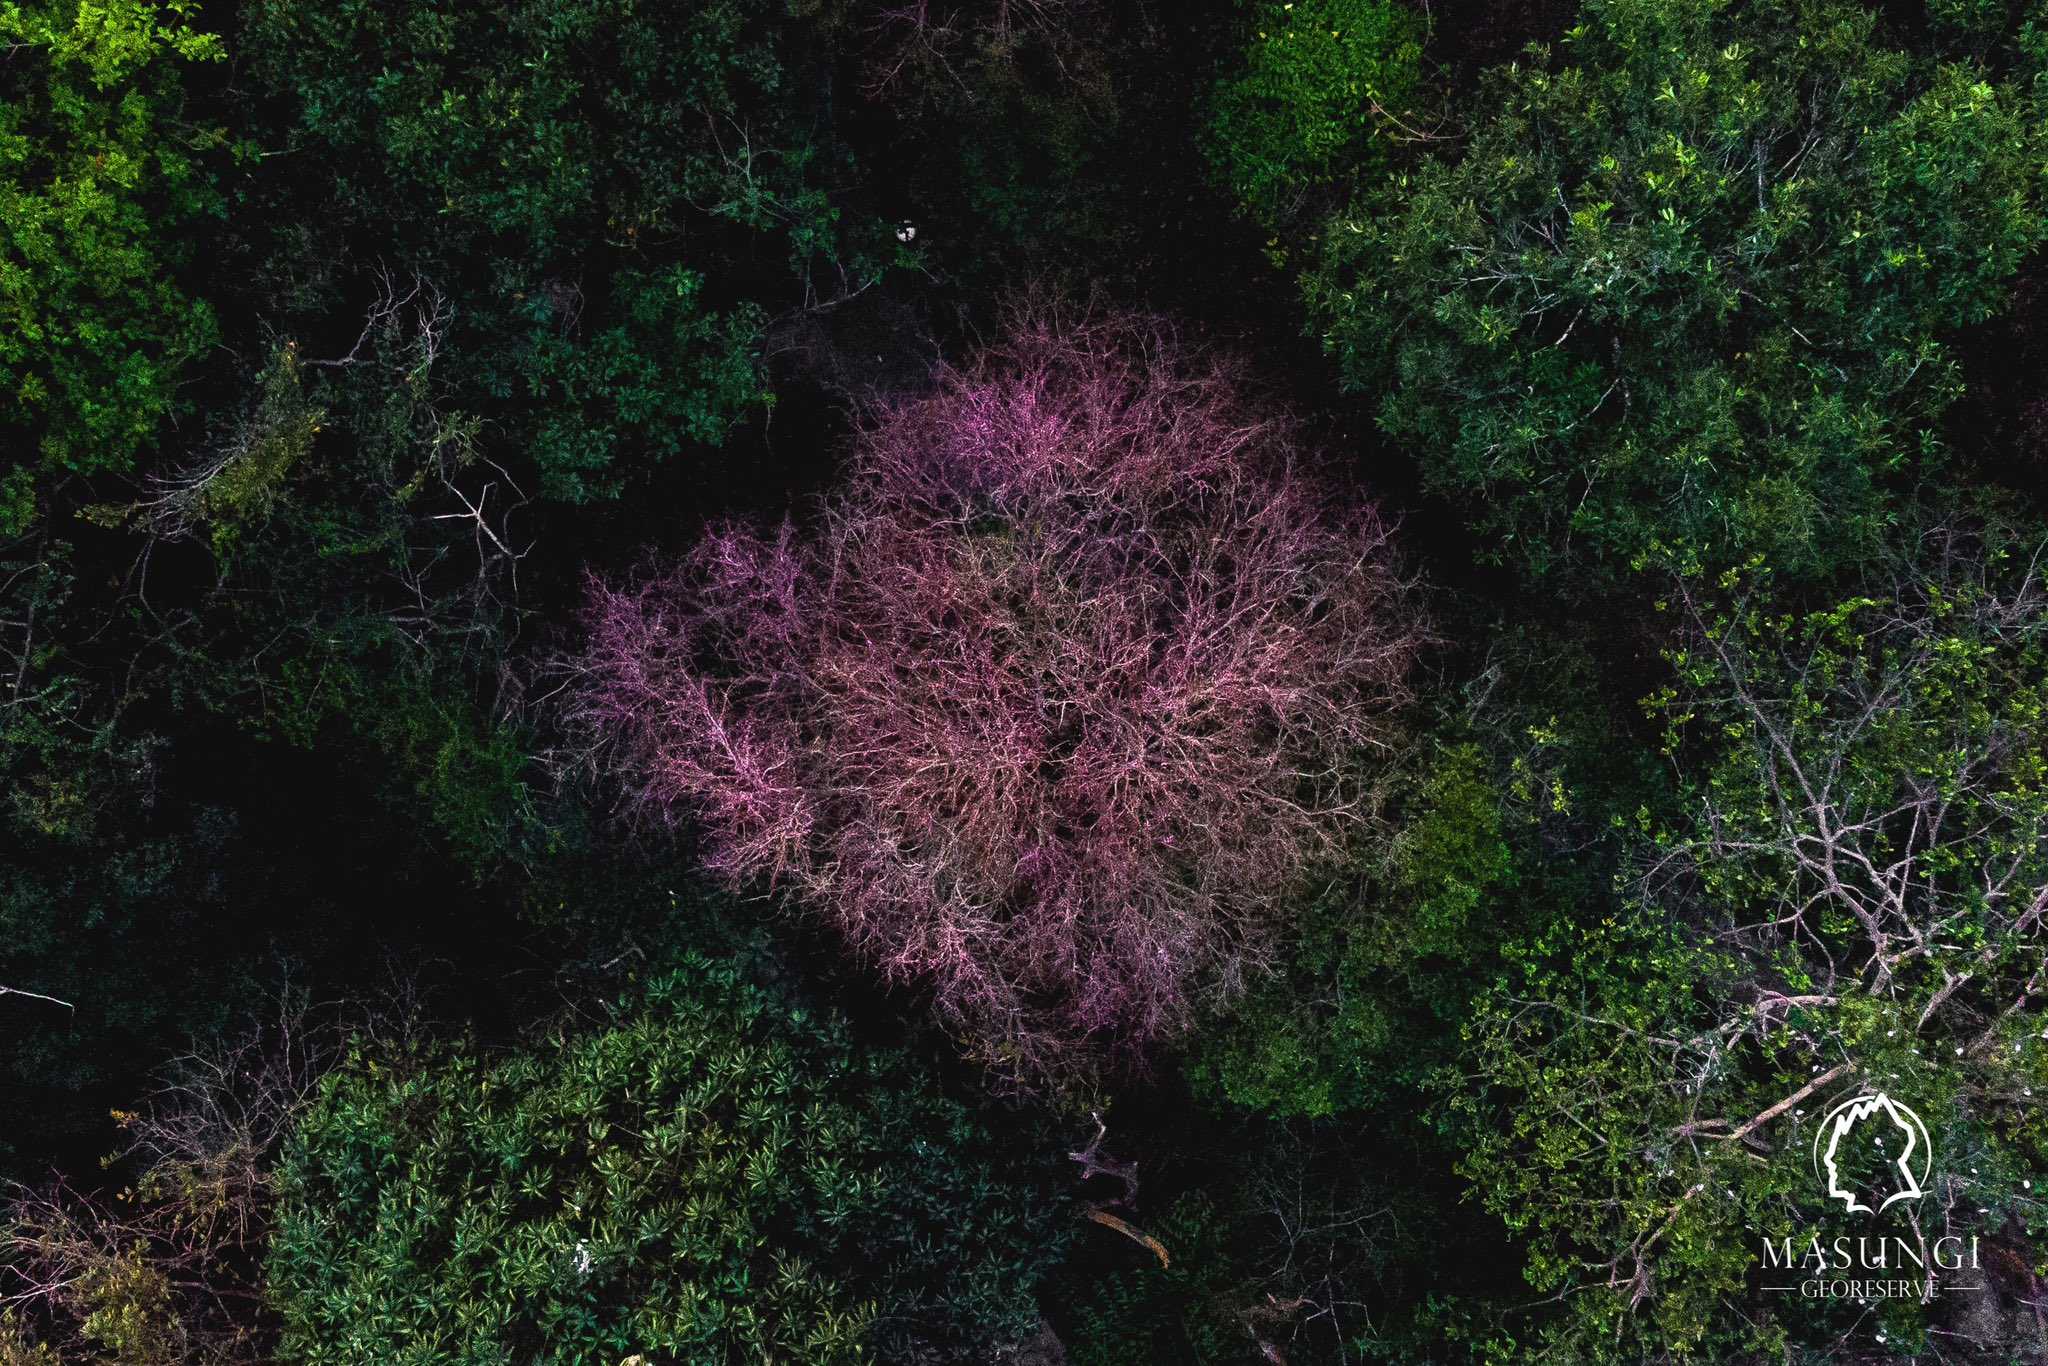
{"x": 1921, "y": 709}
{"x": 1840, "y": 905}
{"x": 127, "y": 1314}
{"x": 1322, "y": 80}
{"x": 1003, "y": 125}
{"x": 102, "y": 182}
{"x": 469, "y": 771}
{"x": 1680, "y": 296}
{"x": 1449, "y": 861}
{"x": 1373, "y": 983}
{"x": 611, "y": 246}
{"x": 102, "y": 880}
{"x": 131, "y": 1300}
{"x": 138, "y": 934}
{"x": 1014, "y": 169}
{"x": 248, "y": 482}
{"x": 334, "y": 347}
{"x": 1569, "y": 1116}
{"x": 245, "y": 480}
{"x": 342, "y": 612}
{"x": 715, "y": 1175}
{"x": 496, "y": 283}
{"x": 1316, "y": 1243}
{"x": 19, "y": 1347}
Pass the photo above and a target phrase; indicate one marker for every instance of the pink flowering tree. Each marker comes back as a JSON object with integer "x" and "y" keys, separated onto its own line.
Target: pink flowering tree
{"x": 1053, "y": 706}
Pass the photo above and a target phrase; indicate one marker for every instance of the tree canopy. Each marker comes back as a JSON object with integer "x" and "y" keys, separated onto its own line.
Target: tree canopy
{"x": 1264, "y": 683}
{"x": 1681, "y": 292}
{"x": 715, "y": 1174}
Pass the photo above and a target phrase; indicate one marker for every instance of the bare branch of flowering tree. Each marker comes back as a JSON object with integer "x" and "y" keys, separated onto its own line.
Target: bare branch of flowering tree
{"x": 1067, "y": 688}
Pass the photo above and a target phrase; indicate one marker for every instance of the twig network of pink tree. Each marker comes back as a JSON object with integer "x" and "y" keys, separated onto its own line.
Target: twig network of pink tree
{"x": 1050, "y": 708}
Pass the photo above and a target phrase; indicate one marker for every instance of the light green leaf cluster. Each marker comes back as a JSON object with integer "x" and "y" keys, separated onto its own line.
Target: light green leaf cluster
{"x": 101, "y": 182}
{"x": 1322, "y": 80}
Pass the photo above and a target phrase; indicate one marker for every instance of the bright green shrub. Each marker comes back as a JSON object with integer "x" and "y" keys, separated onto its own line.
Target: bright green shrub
{"x": 1321, "y": 79}
{"x": 101, "y": 182}
{"x": 1681, "y": 293}
{"x": 714, "y": 1176}
{"x": 1567, "y": 1128}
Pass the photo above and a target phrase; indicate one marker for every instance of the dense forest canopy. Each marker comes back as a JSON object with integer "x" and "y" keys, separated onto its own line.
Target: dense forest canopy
{"x": 1023, "y": 681}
